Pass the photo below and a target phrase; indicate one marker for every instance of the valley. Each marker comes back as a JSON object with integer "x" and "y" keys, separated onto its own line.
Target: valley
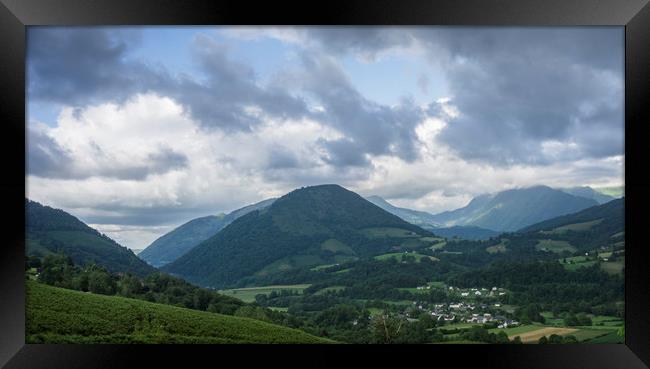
{"x": 331, "y": 264}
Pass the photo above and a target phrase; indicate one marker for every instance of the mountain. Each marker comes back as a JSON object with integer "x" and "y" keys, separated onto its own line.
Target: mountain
{"x": 608, "y": 217}
{"x": 174, "y": 244}
{"x": 57, "y": 315}
{"x": 427, "y": 221}
{"x": 412, "y": 216}
{"x": 514, "y": 209}
{"x": 316, "y": 225}
{"x": 589, "y": 193}
{"x": 50, "y": 230}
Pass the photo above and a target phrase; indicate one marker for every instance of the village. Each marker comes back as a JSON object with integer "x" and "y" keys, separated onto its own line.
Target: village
{"x": 471, "y": 305}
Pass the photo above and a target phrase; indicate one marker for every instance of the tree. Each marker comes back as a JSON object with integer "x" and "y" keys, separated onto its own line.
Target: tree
{"x": 583, "y": 319}
{"x": 502, "y": 337}
{"x": 99, "y": 281}
{"x": 58, "y": 270}
{"x": 543, "y": 340}
{"x": 386, "y": 328}
{"x": 555, "y": 339}
{"x": 571, "y": 320}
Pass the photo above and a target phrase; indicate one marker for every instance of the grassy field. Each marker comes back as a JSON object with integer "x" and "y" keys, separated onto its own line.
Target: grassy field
{"x": 575, "y": 262}
{"x": 327, "y": 289}
{"x": 324, "y": 266}
{"x": 533, "y": 332}
{"x": 613, "y": 267}
{"x": 282, "y": 309}
{"x": 611, "y": 337}
{"x": 619, "y": 234}
{"x": 554, "y": 246}
{"x": 56, "y": 315}
{"x": 432, "y": 239}
{"x": 388, "y": 232}
{"x": 577, "y": 227}
{"x": 496, "y": 248}
{"x": 437, "y": 284}
{"x": 290, "y": 262}
{"x": 535, "y": 335}
{"x": 414, "y": 290}
{"x": 336, "y": 246}
{"x": 399, "y": 255}
{"x": 517, "y": 330}
{"x": 438, "y": 246}
{"x": 248, "y": 294}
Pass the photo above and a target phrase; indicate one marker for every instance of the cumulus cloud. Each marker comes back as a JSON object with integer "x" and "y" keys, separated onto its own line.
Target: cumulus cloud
{"x": 515, "y": 87}
{"x": 137, "y": 149}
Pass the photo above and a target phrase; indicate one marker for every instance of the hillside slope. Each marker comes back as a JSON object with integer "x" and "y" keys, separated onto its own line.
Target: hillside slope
{"x": 309, "y": 226}
{"x": 174, "y": 244}
{"x": 56, "y": 315}
{"x": 511, "y": 210}
{"x": 50, "y": 230}
{"x": 610, "y": 215}
{"x": 589, "y": 193}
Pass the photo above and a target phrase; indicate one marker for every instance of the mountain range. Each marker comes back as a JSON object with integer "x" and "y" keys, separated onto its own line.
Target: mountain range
{"x": 510, "y": 210}
{"x": 484, "y": 217}
{"x": 174, "y": 244}
{"x": 317, "y": 225}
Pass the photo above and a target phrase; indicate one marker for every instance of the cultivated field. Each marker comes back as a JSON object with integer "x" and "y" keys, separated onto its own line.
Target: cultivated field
{"x": 555, "y": 246}
{"x": 577, "y": 227}
{"x": 388, "y": 232}
{"x": 400, "y": 255}
{"x": 248, "y": 294}
{"x": 57, "y": 315}
{"x": 534, "y": 335}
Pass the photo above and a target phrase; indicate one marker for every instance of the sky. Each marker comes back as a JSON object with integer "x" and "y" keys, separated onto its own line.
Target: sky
{"x": 136, "y": 130}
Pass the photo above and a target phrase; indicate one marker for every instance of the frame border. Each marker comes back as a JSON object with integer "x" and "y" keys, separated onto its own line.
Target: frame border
{"x": 15, "y": 15}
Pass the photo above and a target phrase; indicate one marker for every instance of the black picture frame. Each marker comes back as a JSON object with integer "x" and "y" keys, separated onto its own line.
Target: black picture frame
{"x": 15, "y": 15}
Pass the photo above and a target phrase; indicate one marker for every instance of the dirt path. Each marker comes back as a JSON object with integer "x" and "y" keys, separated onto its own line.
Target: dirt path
{"x": 534, "y": 336}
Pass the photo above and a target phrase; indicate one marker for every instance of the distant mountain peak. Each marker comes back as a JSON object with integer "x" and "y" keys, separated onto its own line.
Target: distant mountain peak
{"x": 515, "y": 208}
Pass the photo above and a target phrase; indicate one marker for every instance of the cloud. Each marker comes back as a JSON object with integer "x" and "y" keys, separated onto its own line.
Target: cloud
{"x": 81, "y": 65}
{"x": 515, "y": 87}
{"x": 136, "y": 147}
{"x": 45, "y": 157}
{"x": 107, "y": 141}
{"x": 368, "y": 127}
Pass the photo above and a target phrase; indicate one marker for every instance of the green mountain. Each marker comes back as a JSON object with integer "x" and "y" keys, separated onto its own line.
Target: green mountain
{"x": 589, "y": 193}
{"x": 51, "y": 230}
{"x": 608, "y": 219}
{"x": 514, "y": 209}
{"x": 57, "y": 315}
{"x": 174, "y": 244}
{"x": 316, "y": 225}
